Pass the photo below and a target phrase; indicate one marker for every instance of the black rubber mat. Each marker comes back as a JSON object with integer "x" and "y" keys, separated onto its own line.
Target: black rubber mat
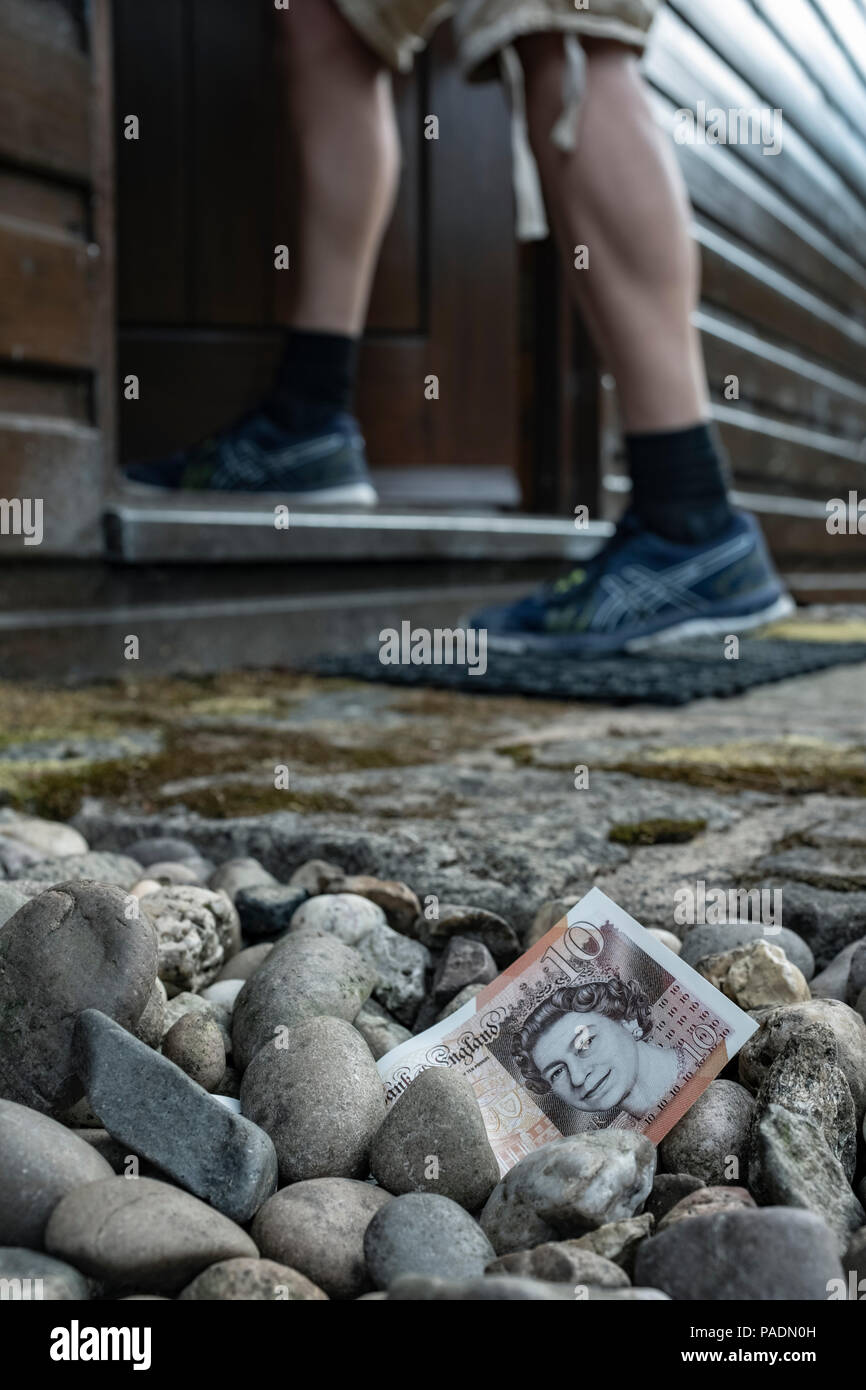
{"x": 666, "y": 677}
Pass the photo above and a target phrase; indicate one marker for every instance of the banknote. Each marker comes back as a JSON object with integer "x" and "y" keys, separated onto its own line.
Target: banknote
{"x": 597, "y": 1026}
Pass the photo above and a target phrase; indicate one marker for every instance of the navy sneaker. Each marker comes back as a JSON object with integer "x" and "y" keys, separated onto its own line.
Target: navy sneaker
{"x": 325, "y": 465}
{"x": 641, "y": 590}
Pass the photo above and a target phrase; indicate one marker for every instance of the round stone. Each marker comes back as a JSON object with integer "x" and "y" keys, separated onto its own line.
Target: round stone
{"x": 756, "y": 975}
{"x": 195, "y": 1045}
{"x": 142, "y": 1234}
{"x": 667, "y": 938}
{"x": 266, "y": 910}
{"x": 562, "y": 1262}
{"x": 236, "y": 874}
{"x": 714, "y": 1130}
{"x": 379, "y": 1030}
{"x": 41, "y": 1277}
{"x": 781, "y": 1025}
{"x": 716, "y": 938}
{"x": 421, "y": 1233}
{"x": 167, "y": 848}
{"x": 50, "y": 838}
{"x": 570, "y": 1186}
{"x": 705, "y": 1202}
{"x": 774, "y": 1253}
{"x": 196, "y": 929}
{"x": 246, "y": 962}
{"x": 316, "y": 1091}
{"x": 301, "y": 978}
{"x": 319, "y": 1226}
{"x": 40, "y": 1162}
{"x": 433, "y": 1139}
{"x": 11, "y": 898}
{"x": 251, "y": 1280}
{"x": 118, "y": 870}
{"x": 68, "y": 949}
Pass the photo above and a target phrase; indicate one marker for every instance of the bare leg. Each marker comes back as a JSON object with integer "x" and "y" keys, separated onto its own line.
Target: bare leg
{"x": 341, "y": 113}
{"x": 620, "y": 193}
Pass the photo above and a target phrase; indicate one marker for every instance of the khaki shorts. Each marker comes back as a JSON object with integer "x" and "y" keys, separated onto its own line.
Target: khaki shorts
{"x": 486, "y": 32}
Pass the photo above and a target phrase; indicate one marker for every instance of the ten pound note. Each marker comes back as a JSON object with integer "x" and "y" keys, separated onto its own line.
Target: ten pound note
{"x": 597, "y": 1026}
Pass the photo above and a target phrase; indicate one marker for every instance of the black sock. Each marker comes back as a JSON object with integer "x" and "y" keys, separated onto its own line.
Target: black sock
{"x": 315, "y": 379}
{"x": 679, "y": 482}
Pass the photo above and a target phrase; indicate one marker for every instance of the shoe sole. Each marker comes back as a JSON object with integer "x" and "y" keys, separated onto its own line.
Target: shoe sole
{"x": 357, "y": 495}
{"x": 731, "y": 625}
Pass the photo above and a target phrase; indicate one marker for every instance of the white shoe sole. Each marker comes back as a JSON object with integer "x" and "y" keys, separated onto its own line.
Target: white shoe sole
{"x": 711, "y": 627}
{"x": 358, "y": 495}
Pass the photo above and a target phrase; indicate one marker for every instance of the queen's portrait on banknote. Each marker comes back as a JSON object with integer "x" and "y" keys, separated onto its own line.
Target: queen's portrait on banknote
{"x": 587, "y": 1044}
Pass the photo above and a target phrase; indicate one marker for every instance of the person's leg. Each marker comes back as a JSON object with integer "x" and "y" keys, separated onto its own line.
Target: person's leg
{"x": 619, "y": 192}
{"x": 682, "y": 562}
{"x": 303, "y": 440}
{"x": 340, "y": 112}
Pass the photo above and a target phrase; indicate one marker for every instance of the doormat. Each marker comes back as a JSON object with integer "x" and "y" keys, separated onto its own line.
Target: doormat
{"x": 672, "y": 676}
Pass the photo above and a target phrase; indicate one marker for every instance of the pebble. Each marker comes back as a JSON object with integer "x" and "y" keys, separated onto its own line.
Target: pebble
{"x": 169, "y": 874}
{"x": 40, "y": 1161}
{"x": 856, "y": 982}
{"x": 196, "y": 930}
{"x": 11, "y": 898}
{"x": 195, "y": 1045}
{"x": 792, "y": 1165}
{"x": 48, "y": 838}
{"x": 463, "y": 962}
{"x": 167, "y": 848}
{"x": 142, "y": 1234}
{"x": 379, "y": 1030}
{"x": 805, "y": 1079}
{"x": 562, "y": 1262}
{"x": 16, "y": 857}
{"x": 618, "y": 1240}
{"x": 710, "y": 940}
{"x": 756, "y": 975}
{"x": 70, "y": 948}
{"x": 754, "y": 1256}
{"x": 433, "y": 1139}
{"x": 236, "y": 874}
{"x": 502, "y": 1288}
{"x": 317, "y": 1093}
{"x": 187, "y": 1003}
{"x": 116, "y": 1155}
{"x": 705, "y": 1202}
{"x": 246, "y": 962}
{"x": 668, "y": 1189}
{"x": 144, "y": 887}
{"x": 400, "y": 964}
{"x": 255, "y": 1280}
{"x": 778, "y": 1026}
{"x": 713, "y": 1130}
{"x": 223, "y": 992}
{"x": 832, "y": 982}
{"x": 49, "y": 1280}
{"x": 458, "y": 919}
{"x": 399, "y": 904}
{"x": 118, "y": 870}
{"x": 303, "y": 977}
{"x": 319, "y": 1227}
{"x": 568, "y": 1187}
{"x": 151, "y": 1025}
{"x": 316, "y": 876}
{"x": 266, "y": 910}
{"x": 422, "y": 1233}
{"x": 149, "y": 1104}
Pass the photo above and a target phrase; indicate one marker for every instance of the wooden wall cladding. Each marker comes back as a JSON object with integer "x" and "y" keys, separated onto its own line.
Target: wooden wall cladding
{"x": 56, "y": 321}
{"x": 783, "y": 238}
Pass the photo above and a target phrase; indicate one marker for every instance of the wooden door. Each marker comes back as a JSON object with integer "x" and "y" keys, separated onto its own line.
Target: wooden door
{"x": 56, "y": 316}
{"x": 204, "y": 195}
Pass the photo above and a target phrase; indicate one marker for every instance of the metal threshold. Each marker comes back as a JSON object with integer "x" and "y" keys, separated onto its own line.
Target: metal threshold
{"x": 219, "y": 531}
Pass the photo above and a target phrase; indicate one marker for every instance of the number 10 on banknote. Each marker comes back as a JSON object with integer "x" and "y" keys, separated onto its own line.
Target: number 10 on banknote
{"x": 597, "y": 1026}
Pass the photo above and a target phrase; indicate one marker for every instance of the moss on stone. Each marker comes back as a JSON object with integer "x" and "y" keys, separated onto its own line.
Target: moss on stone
{"x": 659, "y": 831}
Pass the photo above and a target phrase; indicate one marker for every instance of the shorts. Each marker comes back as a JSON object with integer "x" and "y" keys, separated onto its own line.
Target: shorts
{"x": 486, "y": 31}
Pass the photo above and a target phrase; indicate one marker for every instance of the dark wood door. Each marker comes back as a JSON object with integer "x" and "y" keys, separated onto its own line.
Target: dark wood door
{"x": 204, "y": 195}
{"x": 56, "y": 318}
